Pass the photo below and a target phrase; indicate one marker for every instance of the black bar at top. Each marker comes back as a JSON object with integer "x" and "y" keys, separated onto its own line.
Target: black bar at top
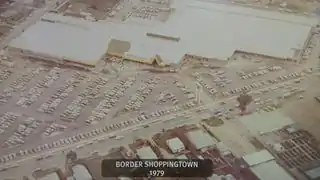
{"x": 109, "y": 168}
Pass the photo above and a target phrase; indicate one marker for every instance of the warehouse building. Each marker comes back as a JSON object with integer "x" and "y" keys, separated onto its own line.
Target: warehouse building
{"x": 201, "y": 139}
{"x": 265, "y": 167}
{"x": 230, "y": 29}
{"x": 146, "y": 153}
{"x": 62, "y": 39}
{"x": 261, "y": 123}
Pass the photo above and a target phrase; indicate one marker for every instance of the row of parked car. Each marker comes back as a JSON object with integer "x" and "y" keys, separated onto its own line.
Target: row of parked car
{"x": 4, "y": 74}
{"x": 141, "y": 94}
{"x": 146, "y": 9}
{"x": 261, "y": 71}
{"x": 186, "y": 91}
{"x": 145, "y": 12}
{"x": 212, "y": 91}
{"x": 54, "y": 127}
{"x": 35, "y": 92}
{"x": 311, "y": 44}
{"x": 219, "y": 78}
{"x": 98, "y": 131}
{"x": 110, "y": 99}
{"x": 167, "y": 96}
{"x": 260, "y": 84}
{"x": 63, "y": 92}
{"x": 22, "y": 132}
{"x": 166, "y": 111}
{"x": 19, "y": 84}
{"x": 7, "y": 120}
{"x": 74, "y": 109}
{"x": 291, "y": 76}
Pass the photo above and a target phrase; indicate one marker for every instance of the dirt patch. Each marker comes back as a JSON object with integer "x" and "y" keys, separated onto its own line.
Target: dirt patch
{"x": 118, "y": 46}
{"x": 213, "y": 121}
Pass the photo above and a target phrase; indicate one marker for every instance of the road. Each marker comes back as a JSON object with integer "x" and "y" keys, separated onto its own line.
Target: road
{"x": 27, "y": 167}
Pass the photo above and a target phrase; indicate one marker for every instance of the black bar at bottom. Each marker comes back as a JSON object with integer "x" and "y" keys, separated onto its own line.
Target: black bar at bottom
{"x": 156, "y": 168}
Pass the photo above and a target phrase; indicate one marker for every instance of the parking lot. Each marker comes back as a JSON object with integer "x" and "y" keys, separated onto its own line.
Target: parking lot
{"x": 61, "y": 101}
{"x": 233, "y": 80}
{"x": 143, "y": 10}
{"x": 46, "y": 110}
{"x": 69, "y": 106}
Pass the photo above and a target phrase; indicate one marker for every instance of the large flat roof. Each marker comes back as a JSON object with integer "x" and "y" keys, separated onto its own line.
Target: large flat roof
{"x": 146, "y": 153}
{"x": 64, "y": 38}
{"x": 258, "y": 157}
{"x": 271, "y": 170}
{"x": 261, "y": 123}
{"x": 263, "y": 165}
{"x": 204, "y": 28}
{"x": 217, "y": 30}
{"x": 201, "y": 139}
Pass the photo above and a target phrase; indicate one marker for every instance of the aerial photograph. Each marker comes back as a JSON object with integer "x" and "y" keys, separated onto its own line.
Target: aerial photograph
{"x": 230, "y": 81}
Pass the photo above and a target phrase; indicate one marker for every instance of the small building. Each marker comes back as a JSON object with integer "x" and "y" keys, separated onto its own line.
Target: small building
{"x": 261, "y": 123}
{"x": 80, "y": 172}
{"x": 265, "y": 167}
{"x": 51, "y": 176}
{"x": 175, "y": 145}
{"x": 146, "y": 153}
{"x": 201, "y": 139}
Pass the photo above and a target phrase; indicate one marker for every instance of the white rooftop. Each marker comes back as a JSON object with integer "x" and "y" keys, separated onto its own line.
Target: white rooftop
{"x": 205, "y": 28}
{"x": 80, "y": 172}
{"x": 265, "y": 167}
{"x": 218, "y": 31}
{"x": 175, "y": 144}
{"x": 146, "y": 153}
{"x": 260, "y": 123}
{"x": 270, "y": 170}
{"x": 201, "y": 139}
{"x": 67, "y": 38}
{"x": 258, "y": 157}
{"x": 51, "y": 176}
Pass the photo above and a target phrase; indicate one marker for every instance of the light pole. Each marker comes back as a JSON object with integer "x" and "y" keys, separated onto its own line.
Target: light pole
{"x": 198, "y": 93}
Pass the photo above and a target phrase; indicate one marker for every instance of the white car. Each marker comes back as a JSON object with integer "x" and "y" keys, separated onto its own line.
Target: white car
{"x": 119, "y": 137}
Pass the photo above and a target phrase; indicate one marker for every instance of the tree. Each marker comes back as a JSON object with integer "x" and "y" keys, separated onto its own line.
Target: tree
{"x": 72, "y": 155}
{"x": 244, "y": 100}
